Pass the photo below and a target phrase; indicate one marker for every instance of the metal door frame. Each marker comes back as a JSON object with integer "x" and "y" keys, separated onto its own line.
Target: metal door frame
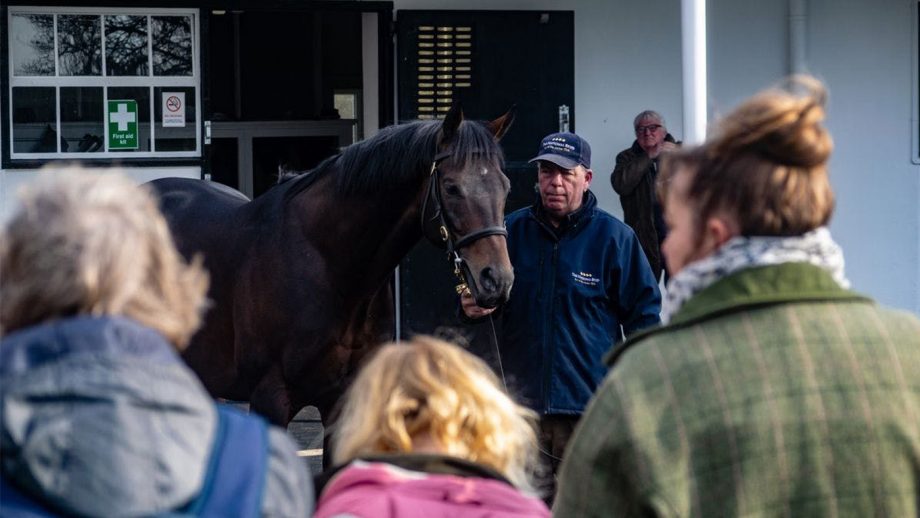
{"x": 245, "y": 132}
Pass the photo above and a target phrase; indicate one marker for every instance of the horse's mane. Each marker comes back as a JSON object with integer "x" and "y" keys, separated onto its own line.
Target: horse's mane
{"x": 397, "y": 155}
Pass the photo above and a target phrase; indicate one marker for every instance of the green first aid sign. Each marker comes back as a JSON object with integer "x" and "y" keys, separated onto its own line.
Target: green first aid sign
{"x": 122, "y": 117}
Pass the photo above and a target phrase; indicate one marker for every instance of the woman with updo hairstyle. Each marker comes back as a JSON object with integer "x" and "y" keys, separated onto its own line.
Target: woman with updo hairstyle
{"x": 771, "y": 388}
{"x": 426, "y": 431}
{"x": 764, "y": 171}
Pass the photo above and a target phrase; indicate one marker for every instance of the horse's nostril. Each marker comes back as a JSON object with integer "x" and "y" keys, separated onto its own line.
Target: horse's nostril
{"x": 488, "y": 280}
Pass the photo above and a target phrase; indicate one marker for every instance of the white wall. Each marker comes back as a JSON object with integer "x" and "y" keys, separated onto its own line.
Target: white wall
{"x": 863, "y": 51}
{"x": 627, "y": 58}
{"x": 748, "y": 49}
{"x": 11, "y": 180}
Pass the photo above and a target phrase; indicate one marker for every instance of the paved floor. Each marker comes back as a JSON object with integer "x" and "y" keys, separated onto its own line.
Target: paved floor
{"x": 307, "y": 431}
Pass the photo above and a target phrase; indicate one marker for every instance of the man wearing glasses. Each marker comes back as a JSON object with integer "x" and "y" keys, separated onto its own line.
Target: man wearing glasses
{"x": 633, "y": 178}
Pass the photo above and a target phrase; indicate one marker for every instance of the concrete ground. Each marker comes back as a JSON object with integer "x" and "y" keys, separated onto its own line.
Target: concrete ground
{"x": 307, "y": 431}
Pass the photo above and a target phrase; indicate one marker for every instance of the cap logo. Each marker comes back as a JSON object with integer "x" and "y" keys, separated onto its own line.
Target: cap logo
{"x": 559, "y": 146}
{"x": 568, "y": 149}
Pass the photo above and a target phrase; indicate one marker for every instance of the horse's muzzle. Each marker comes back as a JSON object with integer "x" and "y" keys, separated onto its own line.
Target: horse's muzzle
{"x": 492, "y": 286}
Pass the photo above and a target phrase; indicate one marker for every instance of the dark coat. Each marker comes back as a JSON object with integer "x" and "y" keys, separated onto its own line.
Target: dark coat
{"x": 633, "y": 178}
{"x": 574, "y": 286}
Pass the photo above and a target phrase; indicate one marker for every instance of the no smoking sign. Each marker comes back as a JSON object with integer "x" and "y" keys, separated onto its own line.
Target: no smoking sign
{"x": 173, "y": 104}
{"x": 173, "y": 109}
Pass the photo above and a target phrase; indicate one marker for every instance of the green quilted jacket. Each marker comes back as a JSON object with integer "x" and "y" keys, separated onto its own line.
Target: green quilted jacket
{"x": 773, "y": 392}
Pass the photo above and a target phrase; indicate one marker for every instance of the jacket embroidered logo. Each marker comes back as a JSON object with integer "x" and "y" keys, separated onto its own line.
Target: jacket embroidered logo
{"x": 585, "y": 278}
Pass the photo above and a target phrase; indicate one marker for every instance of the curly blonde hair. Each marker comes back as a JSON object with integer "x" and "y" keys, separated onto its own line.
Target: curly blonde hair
{"x": 765, "y": 165}
{"x": 430, "y": 389}
{"x": 86, "y": 243}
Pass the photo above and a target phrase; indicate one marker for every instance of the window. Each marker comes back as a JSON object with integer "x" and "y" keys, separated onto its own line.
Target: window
{"x": 348, "y": 105}
{"x": 93, "y": 83}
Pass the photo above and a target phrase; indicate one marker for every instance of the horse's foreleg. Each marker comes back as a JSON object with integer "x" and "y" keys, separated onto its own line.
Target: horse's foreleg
{"x": 272, "y": 398}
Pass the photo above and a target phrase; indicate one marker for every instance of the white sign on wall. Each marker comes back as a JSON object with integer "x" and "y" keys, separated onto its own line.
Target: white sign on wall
{"x": 173, "y": 109}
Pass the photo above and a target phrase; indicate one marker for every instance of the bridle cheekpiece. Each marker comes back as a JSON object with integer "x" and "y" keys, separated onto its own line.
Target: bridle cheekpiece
{"x": 444, "y": 236}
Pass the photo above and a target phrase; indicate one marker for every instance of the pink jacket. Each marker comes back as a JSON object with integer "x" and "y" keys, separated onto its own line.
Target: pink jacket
{"x": 376, "y": 489}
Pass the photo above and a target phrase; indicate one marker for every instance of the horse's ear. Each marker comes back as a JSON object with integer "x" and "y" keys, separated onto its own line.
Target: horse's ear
{"x": 500, "y": 126}
{"x": 451, "y": 122}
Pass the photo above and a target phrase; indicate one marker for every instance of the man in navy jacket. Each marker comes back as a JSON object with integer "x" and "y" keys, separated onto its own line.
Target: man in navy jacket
{"x": 581, "y": 280}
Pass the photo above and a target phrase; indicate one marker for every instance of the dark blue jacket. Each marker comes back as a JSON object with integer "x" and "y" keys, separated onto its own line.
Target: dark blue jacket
{"x": 574, "y": 286}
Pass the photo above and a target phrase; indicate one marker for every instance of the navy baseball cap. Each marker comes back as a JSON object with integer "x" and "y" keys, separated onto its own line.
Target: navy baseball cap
{"x": 567, "y": 150}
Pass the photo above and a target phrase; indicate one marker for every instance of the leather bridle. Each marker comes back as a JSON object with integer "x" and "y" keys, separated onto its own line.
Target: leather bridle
{"x": 444, "y": 237}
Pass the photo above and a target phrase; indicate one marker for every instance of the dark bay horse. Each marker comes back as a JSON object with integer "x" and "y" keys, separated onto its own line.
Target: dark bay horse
{"x": 300, "y": 276}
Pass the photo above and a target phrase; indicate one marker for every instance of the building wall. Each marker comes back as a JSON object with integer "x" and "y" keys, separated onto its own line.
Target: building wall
{"x": 628, "y": 58}
{"x": 12, "y": 179}
{"x": 864, "y": 51}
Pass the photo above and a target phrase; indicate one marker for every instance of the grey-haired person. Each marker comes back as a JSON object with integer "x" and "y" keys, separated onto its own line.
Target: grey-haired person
{"x": 99, "y": 416}
{"x": 634, "y": 177}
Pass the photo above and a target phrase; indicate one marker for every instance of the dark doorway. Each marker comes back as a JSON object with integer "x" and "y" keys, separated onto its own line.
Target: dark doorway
{"x": 285, "y": 83}
{"x": 290, "y": 75}
{"x": 487, "y": 61}
{"x": 225, "y": 161}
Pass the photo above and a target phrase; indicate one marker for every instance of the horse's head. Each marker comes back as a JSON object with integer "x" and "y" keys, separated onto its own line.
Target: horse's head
{"x": 469, "y": 187}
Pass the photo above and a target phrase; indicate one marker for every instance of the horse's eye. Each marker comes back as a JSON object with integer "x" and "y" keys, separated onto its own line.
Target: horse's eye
{"x": 452, "y": 190}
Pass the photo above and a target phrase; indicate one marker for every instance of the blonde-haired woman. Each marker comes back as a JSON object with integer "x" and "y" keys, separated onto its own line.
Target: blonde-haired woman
{"x": 99, "y": 415}
{"x": 772, "y": 389}
{"x": 426, "y": 431}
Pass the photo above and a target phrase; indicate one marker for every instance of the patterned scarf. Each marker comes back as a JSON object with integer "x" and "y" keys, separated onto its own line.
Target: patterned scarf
{"x": 815, "y": 247}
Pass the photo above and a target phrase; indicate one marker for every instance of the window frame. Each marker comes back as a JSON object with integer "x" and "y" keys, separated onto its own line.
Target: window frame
{"x": 151, "y": 82}
{"x": 358, "y": 94}
{"x": 915, "y": 83}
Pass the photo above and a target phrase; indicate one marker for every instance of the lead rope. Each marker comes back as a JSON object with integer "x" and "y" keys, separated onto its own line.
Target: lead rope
{"x": 501, "y": 368}
{"x": 498, "y": 353}
{"x": 461, "y": 287}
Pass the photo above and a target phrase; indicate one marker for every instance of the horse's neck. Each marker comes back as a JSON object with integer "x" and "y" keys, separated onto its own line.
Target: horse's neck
{"x": 366, "y": 235}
